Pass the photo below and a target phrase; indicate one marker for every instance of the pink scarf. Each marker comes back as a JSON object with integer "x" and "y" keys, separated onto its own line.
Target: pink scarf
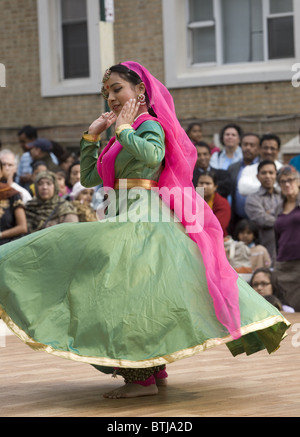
{"x": 198, "y": 219}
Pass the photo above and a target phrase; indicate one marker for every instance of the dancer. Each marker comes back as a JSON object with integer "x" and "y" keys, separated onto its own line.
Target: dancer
{"x": 149, "y": 284}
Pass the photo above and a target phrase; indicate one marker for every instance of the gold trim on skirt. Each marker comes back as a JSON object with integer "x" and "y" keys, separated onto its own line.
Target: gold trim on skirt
{"x": 127, "y": 184}
{"x": 151, "y": 362}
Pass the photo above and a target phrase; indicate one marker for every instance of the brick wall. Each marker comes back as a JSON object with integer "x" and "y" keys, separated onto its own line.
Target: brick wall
{"x": 138, "y": 36}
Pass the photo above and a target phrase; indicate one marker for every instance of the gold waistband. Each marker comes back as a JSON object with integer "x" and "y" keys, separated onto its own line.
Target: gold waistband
{"x": 147, "y": 184}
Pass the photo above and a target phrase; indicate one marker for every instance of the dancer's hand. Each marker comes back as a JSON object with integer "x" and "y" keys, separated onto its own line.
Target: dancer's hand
{"x": 128, "y": 113}
{"x": 102, "y": 123}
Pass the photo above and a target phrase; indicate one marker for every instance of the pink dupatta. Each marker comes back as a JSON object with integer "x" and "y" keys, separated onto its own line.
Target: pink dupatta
{"x": 198, "y": 219}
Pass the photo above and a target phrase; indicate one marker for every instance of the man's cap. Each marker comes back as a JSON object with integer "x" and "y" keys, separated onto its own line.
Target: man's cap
{"x": 41, "y": 143}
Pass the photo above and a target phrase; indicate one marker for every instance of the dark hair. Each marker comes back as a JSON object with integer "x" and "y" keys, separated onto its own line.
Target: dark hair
{"x": 245, "y": 224}
{"x": 36, "y": 164}
{"x": 230, "y": 125}
{"x": 274, "y": 301}
{"x": 263, "y": 270}
{"x": 191, "y": 125}
{"x": 58, "y": 149}
{"x": 29, "y": 131}
{"x": 203, "y": 144}
{"x": 67, "y": 154}
{"x": 61, "y": 172}
{"x": 69, "y": 172}
{"x": 250, "y": 134}
{"x": 133, "y": 78}
{"x": 266, "y": 162}
{"x": 267, "y": 137}
{"x": 212, "y": 174}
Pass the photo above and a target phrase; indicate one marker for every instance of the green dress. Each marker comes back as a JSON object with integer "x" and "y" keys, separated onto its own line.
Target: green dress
{"x": 127, "y": 291}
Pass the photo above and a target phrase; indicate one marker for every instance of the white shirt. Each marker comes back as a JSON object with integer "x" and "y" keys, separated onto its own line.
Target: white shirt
{"x": 248, "y": 182}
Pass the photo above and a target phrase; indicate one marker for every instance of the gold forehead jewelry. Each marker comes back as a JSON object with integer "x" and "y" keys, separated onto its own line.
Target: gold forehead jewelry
{"x": 106, "y": 76}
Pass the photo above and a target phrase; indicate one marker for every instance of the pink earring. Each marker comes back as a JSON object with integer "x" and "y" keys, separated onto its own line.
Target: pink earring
{"x": 142, "y": 99}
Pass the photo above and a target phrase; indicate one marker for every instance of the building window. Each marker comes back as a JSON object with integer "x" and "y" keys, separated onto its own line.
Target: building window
{"x": 75, "y": 48}
{"x": 234, "y": 31}
{"x": 70, "y": 49}
{"x": 230, "y": 41}
{"x": 280, "y": 26}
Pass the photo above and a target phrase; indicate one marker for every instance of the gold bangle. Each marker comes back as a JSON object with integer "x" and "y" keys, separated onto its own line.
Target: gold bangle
{"x": 123, "y": 127}
{"x": 91, "y": 138}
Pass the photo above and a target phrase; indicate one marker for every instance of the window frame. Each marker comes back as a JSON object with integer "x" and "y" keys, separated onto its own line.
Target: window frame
{"x": 180, "y": 72}
{"x": 50, "y": 50}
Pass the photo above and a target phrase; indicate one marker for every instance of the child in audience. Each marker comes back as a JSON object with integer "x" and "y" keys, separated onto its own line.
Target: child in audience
{"x": 64, "y": 190}
{"x": 247, "y": 232}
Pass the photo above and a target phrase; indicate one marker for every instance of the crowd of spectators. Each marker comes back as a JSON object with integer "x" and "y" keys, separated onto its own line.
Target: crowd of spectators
{"x": 256, "y": 199}
{"x": 40, "y": 188}
{"x": 254, "y": 196}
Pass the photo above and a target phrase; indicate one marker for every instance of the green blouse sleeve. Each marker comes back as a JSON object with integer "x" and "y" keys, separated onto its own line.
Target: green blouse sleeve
{"x": 146, "y": 144}
{"x": 89, "y": 176}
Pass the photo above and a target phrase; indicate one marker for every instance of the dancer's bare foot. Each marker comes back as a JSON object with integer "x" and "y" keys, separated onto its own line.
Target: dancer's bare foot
{"x": 132, "y": 390}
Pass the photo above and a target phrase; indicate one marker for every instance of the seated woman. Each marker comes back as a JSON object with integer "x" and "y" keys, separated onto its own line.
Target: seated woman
{"x": 12, "y": 215}
{"x": 219, "y": 205}
{"x": 264, "y": 282}
{"x": 37, "y": 167}
{"x": 47, "y": 208}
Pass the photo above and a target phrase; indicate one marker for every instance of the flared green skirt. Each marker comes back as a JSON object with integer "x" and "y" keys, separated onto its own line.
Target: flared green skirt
{"x": 122, "y": 293}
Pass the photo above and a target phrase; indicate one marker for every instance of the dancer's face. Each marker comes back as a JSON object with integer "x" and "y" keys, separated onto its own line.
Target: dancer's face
{"x": 119, "y": 91}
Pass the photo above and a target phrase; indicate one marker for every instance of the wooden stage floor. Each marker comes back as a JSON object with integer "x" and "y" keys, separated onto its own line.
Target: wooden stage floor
{"x": 211, "y": 384}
